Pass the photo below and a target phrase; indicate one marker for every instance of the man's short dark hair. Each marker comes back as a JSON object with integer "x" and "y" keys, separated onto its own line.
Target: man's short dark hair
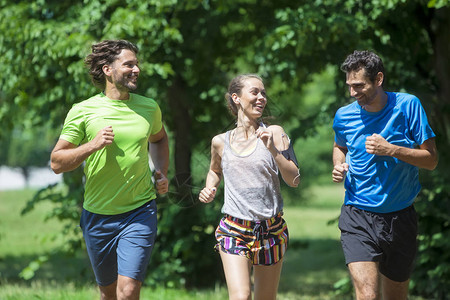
{"x": 369, "y": 61}
{"x": 105, "y": 53}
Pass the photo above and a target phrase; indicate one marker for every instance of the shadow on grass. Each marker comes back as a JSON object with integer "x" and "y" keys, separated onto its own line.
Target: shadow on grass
{"x": 59, "y": 268}
{"x": 312, "y": 267}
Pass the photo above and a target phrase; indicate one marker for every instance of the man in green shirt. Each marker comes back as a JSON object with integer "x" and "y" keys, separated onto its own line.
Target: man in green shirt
{"x": 113, "y": 133}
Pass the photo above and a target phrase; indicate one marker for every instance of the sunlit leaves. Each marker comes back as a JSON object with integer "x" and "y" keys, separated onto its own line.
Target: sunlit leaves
{"x": 438, "y": 3}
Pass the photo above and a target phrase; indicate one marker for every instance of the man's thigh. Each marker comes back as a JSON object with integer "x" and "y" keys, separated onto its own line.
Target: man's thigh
{"x": 365, "y": 277}
{"x": 399, "y": 244}
{"x": 120, "y": 244}
{"x": 389, "y": 239}
{"x": 136, "y": 243}
{"x": 358, "y": 236}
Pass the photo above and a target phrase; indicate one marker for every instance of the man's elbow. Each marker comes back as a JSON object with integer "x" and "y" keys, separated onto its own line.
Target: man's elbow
{"x": 56, "y": 167}
{"x": 433, "y": 164}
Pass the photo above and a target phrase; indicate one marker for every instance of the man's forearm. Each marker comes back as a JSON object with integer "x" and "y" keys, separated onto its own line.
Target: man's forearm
{"x": 338, "y": 155}
{"x": 65, "y": 160}
{"x": 159, "y": 153}
{"x": 421, "y": 158}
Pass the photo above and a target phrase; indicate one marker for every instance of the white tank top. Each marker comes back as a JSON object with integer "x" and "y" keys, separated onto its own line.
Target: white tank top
{"x": 252, "y": 186}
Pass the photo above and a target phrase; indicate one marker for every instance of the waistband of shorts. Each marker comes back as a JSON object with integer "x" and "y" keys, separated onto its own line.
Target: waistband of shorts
{"x": 403, "y": 210}
{"x": 124, "y": 213}
{"x": 248, "y": 223}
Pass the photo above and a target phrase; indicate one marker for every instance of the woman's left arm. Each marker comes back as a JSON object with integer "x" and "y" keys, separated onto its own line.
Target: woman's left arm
{"x": 276, "y": 140}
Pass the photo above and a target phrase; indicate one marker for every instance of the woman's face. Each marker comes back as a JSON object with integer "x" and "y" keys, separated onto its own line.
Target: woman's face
{"x": 253, "y": 99}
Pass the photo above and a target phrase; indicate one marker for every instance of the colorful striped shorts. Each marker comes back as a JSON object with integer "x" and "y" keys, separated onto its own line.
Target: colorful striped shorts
{"x": 263, "y": 242}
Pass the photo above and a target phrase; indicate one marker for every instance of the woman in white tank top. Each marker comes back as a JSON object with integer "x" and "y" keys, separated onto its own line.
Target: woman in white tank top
{"x": 250, "y": 157}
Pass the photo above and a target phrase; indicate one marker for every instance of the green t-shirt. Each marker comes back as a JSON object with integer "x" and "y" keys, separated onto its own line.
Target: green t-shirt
{"x": 118, "y": 177}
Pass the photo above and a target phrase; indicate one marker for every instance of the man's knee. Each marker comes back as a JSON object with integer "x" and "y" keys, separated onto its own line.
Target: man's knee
{"x": 394, "y": 290}
{"x": 367, "y": 293}
{"x": 366, "y": 290}
{"x": 108, "y": 292}
{"x": 128, "y": 288}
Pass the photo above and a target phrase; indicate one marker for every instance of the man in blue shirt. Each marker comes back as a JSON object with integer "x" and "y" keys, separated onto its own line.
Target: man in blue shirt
{"x": 381, "y": 140}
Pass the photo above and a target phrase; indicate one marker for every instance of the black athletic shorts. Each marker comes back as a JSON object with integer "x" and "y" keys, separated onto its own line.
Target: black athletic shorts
{"x": 387, "y": 238}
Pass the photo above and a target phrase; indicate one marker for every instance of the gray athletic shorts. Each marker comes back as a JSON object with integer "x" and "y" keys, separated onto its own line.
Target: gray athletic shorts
{"x": 387, "y": 238}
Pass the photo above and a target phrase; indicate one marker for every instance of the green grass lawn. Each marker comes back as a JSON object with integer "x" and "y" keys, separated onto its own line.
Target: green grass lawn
{"x": 24, "y": 235}
{"x": 313, "y": 262}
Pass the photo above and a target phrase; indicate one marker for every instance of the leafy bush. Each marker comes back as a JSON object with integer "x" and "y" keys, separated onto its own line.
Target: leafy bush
{"x": 183, "y": 255}
{"x": 431, "y": 277}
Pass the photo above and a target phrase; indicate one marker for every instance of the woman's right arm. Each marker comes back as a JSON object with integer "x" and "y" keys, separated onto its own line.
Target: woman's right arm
{"x": 215, "y": 170}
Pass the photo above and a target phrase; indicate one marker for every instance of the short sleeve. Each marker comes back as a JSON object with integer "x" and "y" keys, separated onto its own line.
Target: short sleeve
{"x": 74, "y": 126}
{"x": 418, "y": 122}
{"x": 339, "y": 136}
{"x": 157, "y": 120}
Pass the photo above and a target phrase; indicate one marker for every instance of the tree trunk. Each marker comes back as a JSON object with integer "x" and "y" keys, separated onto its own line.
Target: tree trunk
{"x": 181, "y": 114}
{"x": 441, "y": 45}
{"x": 26, "y": 176}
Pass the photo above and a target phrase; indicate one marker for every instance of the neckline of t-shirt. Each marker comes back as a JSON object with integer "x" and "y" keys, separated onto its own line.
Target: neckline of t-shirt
{"x": 125, "y": 101}
{"x": 374, "y": 113}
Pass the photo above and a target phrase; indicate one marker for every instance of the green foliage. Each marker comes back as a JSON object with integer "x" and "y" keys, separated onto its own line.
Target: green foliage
{"x": 312, "y": 131}
{"x": 67, "y": 204}
{"x": 438, "y": 3}
{"x": 31, "y": 269}
{"x": 40, "y": 57}
{"x": 432, "y": 274}
{"x": 344, "y": 287}
{"x": 25, "y": 148}
{"x": 184, "y": 250}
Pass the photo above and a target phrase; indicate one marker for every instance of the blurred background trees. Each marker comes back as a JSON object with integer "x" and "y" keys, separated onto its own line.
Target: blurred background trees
{"x": 189, "y": 50}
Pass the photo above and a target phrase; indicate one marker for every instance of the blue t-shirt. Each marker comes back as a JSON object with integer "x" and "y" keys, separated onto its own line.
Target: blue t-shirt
{"x": 381, "y": 183}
